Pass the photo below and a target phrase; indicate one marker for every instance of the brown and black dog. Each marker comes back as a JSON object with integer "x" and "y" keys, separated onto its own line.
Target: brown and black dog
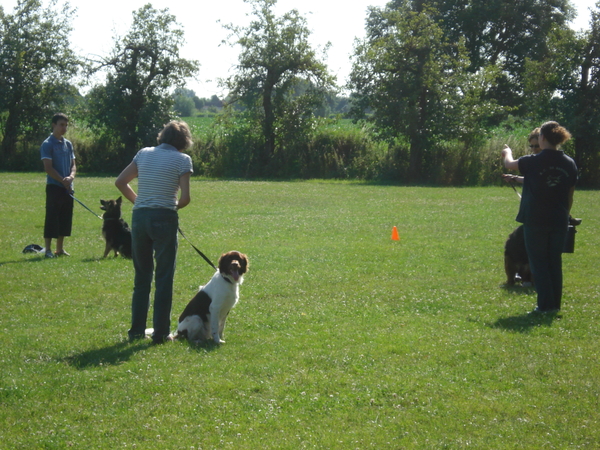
{"x": 115, "y": 230}
{"x": 516, "y": 262}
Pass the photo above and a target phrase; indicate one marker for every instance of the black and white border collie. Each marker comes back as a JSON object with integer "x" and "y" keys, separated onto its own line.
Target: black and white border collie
{"x": 204, "y": 316}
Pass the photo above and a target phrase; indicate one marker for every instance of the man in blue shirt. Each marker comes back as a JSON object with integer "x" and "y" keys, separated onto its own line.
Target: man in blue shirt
{"x": 59, "y": 163}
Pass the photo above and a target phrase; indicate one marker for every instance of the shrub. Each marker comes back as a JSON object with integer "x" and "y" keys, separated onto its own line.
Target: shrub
{"x": 226, "y": 149}
{"x": 341, "y": 151}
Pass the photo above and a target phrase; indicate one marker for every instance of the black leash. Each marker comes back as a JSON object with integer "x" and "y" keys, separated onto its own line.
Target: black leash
{"x": 73, "y": 197}
{"x": 179, "y": 229}
{"x": 512, "y": 185}
{"x": 195, "y": 248}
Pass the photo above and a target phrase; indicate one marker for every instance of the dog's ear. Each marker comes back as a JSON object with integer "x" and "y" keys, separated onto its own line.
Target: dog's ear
{"x": 224, "y": 262}
{"x": 244, "y": 262}
{"x": 119, "y": 200}
{"x": 103, "y": 202}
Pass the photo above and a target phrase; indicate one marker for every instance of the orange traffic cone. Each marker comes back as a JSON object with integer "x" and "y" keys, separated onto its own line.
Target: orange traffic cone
{"x": 395, "y": 235}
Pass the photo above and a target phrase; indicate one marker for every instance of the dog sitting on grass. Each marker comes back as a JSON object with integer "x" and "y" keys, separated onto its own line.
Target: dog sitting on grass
{"x": 115, "y": 230}
{"x": 204, "y": 316}
{"x": 516, "y": 261}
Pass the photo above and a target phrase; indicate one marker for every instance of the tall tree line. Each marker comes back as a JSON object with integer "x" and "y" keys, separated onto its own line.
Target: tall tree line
{"x": 429, "y": 75}
{"x": 36, "y": 67}
{"x": 37, "y": 70}
{"x": 493, "y": 59}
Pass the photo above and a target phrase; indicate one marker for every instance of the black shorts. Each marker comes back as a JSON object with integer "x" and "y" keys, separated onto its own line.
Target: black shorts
{"x": 59, "y": 212}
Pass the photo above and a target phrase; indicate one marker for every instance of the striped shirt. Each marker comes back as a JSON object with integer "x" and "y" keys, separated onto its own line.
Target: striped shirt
{"x": 159, "y": 169}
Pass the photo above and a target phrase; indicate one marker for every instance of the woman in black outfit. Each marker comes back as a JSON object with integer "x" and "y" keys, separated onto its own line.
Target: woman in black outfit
{"x": 548, "y": 188}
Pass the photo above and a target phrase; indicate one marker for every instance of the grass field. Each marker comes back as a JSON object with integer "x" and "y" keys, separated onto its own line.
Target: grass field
{"x": 199, "y": 125}
{"x": 343, "y": 338}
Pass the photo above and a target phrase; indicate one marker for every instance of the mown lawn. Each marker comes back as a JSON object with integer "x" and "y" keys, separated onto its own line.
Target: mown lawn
{"x": 343, "y": 338}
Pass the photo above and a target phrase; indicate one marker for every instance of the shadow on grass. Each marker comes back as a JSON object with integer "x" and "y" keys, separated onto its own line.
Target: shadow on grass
{"x": 30, "y": 259}
{"x": 110, "y": 257}
{"x": 116, "y": 354}
{"x": 518, "y": 289}
{"x": 42, "y": 257}
{"x": 107, "y": 356}
{"x": 524, "y": 323}
{"x": 94, "y": 259}
{"x": 201, "y": 347}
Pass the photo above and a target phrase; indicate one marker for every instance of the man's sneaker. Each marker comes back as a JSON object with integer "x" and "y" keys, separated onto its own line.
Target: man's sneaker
{"x": 49, "y": 254}
{"x": 62, "y": 253}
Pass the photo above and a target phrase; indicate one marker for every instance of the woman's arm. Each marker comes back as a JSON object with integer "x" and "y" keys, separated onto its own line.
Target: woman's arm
{"x": 122, "y": 182}
{"x": 509, "y": 162}
{"x": 509, "y": 178}
{"x": 184, "y": 185}
{"x": 571, "y": 192}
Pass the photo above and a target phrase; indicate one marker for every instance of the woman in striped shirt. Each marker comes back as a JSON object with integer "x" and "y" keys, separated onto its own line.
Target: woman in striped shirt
{"x": 162, "y": 172}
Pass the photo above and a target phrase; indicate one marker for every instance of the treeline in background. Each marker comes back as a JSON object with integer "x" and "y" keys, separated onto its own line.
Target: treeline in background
{"x": 437, "y": 88}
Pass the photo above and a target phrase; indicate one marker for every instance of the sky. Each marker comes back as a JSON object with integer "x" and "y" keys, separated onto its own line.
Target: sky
{"x": 95, "y": 25}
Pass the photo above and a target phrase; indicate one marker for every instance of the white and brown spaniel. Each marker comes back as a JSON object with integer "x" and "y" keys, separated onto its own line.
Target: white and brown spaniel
{"x": 204, "y": 316}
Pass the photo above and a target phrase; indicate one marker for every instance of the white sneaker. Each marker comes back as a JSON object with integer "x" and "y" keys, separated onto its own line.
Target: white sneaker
{"x": 49, "y": 254}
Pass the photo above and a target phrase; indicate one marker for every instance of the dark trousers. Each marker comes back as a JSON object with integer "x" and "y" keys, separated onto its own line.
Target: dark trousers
{"x": 153, "y": 239}
{"x": 59, "y": 212}
{"x": 544, "y": 248}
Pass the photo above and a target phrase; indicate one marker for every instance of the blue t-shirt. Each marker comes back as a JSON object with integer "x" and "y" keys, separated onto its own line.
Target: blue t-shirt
{"x": 62, "y": 155}
{"x": 549, "y": 177}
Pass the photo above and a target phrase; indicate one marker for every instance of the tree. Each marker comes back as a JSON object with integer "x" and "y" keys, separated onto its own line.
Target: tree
{"x": 184, "y": 106}
{"x": 186, "y": 100}
{"x": 144, "y": 65}
{"x": 565, "y": 86}
{"x": 36, "y": 66}
{"x": 275, "y": 60}
{"x": 549, "y": 81}
{"x": 199, "y": 103}
{"x": 215, "y": 102}
{"x": 408, "y": 74}
{"x": 502, "y": 33}
{"x": 584, "y": 104}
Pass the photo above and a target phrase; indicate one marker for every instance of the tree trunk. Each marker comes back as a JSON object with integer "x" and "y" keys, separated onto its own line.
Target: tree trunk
{"x": 11, "y": 134}
{"x": 269, "y": 125}
{"x": 583, "y": 110}
{"x": 418, "y": 122}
